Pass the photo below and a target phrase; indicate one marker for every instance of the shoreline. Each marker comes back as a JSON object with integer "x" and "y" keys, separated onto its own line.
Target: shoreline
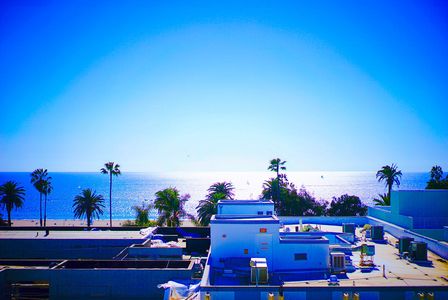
{"x": 77, "y": 223}
{"x": 65, "y": 222}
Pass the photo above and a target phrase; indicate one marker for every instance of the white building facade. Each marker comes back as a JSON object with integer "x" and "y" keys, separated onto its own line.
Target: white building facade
{"x": 244, "y": 230}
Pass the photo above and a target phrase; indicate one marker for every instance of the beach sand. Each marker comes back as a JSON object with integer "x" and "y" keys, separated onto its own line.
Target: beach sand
{"x": 68, "y": 223}
{"x": 71, "y": 223}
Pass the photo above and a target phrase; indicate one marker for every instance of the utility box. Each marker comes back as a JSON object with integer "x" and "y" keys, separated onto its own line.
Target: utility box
{"x": 418, "y": 251}
{"x": 404, "y": 243}
{"x": 348, "y": 228}
{"x": 258, "y": 271}
{"x": 377, "y": 233}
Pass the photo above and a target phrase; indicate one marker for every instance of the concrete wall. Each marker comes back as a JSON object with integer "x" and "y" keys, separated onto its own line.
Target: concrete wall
{"x": 445, "y": 233}
{"x": 229, "y": 240}
{"x": 418, "y": 209}
{"x": 317, "y": 257}
{"x": 154, "y": 252}
{"x": 437, "y": 234}
{"x": 98, "y": 283}
{"x": 245, "y": 207}
{"x": 387, "y": 215}
{"x": 324, "y": 220}
{"x": 64, "y": 248}
{"x": 125, "y": 284}
{"x": 422, "y": 203}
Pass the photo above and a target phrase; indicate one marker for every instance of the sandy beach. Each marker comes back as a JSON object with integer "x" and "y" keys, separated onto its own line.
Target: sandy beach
{"x": 72, "y": 223}
{"x": 67, "y": 222}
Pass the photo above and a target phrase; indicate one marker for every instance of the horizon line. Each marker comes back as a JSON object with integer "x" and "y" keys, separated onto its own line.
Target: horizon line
{"x": 208, "y": 171}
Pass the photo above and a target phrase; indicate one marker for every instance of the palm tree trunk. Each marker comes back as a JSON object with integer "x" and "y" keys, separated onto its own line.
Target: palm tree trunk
{"x": 88, "y": 220}
{"x": 278, "y": 191}
{"x": 9, "y": 216}
{"x": 40, "y": 195}
{"x": 110, "y": 198}
{"x": 389, "y": 190}
{"x": 45, "y": 211}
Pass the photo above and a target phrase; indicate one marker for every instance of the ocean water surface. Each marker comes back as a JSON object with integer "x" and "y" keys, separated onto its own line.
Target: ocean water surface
{"x": 131, "y": 189}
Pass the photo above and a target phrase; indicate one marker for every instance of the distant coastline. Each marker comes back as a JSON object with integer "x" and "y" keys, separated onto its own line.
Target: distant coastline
{"x": 136, "y": 188}
{"x": 74, "y": 223}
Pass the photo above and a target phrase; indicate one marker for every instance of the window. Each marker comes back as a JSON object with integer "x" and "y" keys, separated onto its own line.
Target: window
{"x": 269, "y": 213}
{"x": 263, "y": 230}
{"x": 246, "y": 251}
{"x": 300, "y": 256}
{"x": 260, "y": 212}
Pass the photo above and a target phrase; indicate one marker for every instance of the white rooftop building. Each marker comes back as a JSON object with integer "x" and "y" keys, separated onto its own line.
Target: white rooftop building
{"x": 248, "y": 229}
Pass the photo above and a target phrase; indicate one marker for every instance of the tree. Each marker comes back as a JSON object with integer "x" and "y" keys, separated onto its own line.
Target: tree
{"x": 11, "y": 195}
{"x": 170, "y": 206}
{"x": 142, "y": 214}
{"x": 111, "y": 168}
{"x": 47, "y": 188}
{"x": 275, "y": 189}
{"x": 302, "y": 203}
{"x": 38, "y": 177}
{"x": 383, "y": 200}
{"x": 436, "y": 181}
{"x": 346, "y": 205}
{"x": 208, "y": 207}
{"x": 391, "y": 175}
{"x": 276, "y": 165}
{"x": 88, "y": 204}
{"x": 295, "y": 202}
{"x": 225, "y": 188}
{"x": 436, "y": 173}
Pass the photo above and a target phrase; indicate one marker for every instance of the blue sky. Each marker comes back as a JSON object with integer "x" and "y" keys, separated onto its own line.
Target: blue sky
{"x": 223, "y": 86}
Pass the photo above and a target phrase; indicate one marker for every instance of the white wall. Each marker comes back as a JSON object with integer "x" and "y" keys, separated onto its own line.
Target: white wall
{"x": 230, "y": 240}
{"x": 318, "y": 256}
{"x": 280, "y": 256}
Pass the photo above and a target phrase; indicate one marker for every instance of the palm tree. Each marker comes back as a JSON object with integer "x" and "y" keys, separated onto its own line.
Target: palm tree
{"x": 12, "y": 196}
{"x": 383, "y": 200}
{"x": 47, "y": 188}
{"x": 170, "y": 206}
{"x": 391, "y": 175}
{"x": 225, "y": 188}
{"x": 111, "y": 168}
{"x": 276, "y": 165}
{"x": 436, "y": 173}
{"x": 142, "y": 218}
{"x": 38, "y": 177}
{"x": 209, "y": 207}
{"x": 88, "y": 204}
{"x": 270, "y": 189}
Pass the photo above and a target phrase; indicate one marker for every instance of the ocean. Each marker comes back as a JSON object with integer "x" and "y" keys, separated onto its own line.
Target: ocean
{"x": 131, "y": 189}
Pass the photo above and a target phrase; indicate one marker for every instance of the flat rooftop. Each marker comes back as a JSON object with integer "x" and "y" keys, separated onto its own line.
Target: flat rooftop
{"x": 40, "y": 234}
{"x": 398, "y": 272}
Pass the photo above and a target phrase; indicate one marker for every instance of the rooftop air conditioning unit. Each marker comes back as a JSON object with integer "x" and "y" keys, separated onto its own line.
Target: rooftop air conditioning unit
{"x": 258, "y": 271}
